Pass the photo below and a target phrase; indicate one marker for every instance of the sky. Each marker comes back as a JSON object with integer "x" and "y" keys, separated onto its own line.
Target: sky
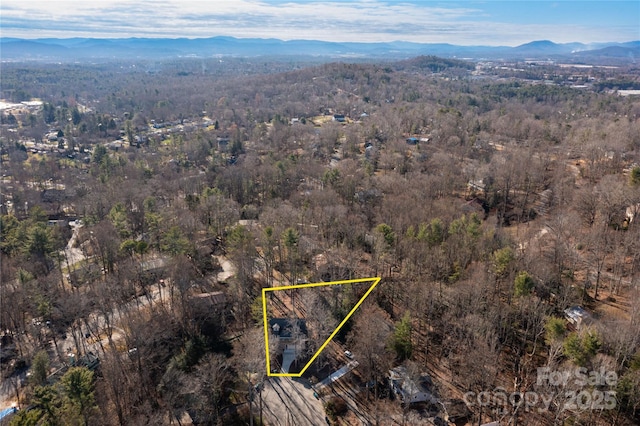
{"x": 489, "y": 22}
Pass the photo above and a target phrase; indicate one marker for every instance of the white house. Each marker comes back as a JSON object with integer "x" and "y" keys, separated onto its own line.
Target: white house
{"x": 408, "y": 389}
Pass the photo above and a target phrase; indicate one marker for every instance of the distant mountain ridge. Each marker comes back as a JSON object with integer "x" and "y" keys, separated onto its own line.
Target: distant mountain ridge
{"x": 73, "y": 49}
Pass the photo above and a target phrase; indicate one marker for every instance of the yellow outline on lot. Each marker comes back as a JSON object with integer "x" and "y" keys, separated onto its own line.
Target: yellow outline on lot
{"x": 375, "y": 280}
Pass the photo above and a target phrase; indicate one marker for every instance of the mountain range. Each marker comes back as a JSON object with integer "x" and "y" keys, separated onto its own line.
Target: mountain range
{"x": 74, "y": 49}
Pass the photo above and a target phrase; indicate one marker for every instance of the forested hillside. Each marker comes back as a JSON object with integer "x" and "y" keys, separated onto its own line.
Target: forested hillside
{"x": 145, "y": 205}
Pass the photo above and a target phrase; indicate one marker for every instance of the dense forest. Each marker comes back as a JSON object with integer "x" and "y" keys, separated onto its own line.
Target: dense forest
{"x": 145, "y": 205}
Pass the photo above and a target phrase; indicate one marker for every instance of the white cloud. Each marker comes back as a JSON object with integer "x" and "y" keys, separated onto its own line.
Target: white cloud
{"x": 365, "y": 20}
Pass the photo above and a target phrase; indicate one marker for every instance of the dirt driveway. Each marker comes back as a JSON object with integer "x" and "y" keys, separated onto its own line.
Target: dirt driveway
{"x": 289, "y": 401}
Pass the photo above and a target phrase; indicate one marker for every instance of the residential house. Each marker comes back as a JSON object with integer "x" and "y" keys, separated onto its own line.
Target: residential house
{"x": 368, "y": 150}
{"x": 410, "y": 389}
{"x": 412, "y": 141}
{"x": 223, "y": 143}
{"x": 476, "y": 185}
{"x": 53, "y": 135}
{"x": 631, "y": 212}
{"x": 155, "y": 265}
{"x": 57, "y": 222}
{"x": 289, "y": 336}
{"x": 577, "y": 316}
{"x": 154, "y": 269}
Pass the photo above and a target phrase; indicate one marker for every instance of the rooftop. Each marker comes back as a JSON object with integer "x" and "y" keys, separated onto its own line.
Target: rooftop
{"x": 577, "y": 314}
{"x": 284, "y": 327}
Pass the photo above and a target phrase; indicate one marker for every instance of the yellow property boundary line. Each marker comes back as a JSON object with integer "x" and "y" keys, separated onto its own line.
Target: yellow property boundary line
{"x": 375, "y": 280}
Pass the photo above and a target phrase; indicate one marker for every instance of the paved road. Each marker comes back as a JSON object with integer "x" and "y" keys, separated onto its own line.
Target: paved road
{"x": 289, "y": 401}
{"x": 73, "y": 254}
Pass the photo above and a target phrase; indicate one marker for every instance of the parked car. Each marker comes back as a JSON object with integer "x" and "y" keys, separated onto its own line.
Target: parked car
{"x": 348, "y": 354}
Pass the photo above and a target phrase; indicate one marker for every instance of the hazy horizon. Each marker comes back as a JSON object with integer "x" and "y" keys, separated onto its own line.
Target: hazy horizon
{"x": 489, "y": 23}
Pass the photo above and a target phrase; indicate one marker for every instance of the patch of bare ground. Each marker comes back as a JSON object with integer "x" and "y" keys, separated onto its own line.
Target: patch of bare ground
{"x": 613, "y": 306}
